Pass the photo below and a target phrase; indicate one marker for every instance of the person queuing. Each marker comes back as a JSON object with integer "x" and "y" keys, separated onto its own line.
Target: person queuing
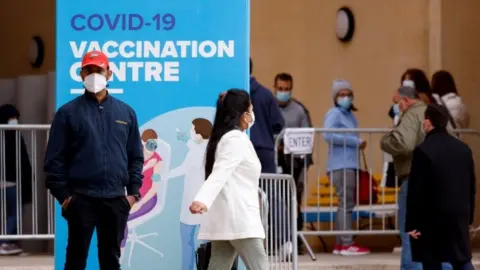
{"x": 295, "y": 115}
{"x": 229, "y": 195}
{"x": 93, "y": 166}
{"x": 420, "y": 83}
{"x": 269, "y": 122}
{"x": 343, "y": 163}
{"x": 446, "y": 94}
{"x": 441, "y": 196}
{"x": 400, "y": 143}
{"x": 14, "y": 157}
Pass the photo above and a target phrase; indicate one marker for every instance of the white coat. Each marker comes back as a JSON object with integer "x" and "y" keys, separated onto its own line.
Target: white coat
{"x": 230, "y": 193}
{"x": 194, "y": 171}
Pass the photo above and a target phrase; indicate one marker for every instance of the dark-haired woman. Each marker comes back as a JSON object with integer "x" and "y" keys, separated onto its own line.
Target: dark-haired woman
{"x": 420, "y": 83}
{"x": 446, "y": 94}
{"x": 229, "y": 196}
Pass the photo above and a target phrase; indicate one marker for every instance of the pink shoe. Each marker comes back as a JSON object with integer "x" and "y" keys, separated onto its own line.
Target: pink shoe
{"x": 354, "y": 250}
{"x": 337, "y": 249}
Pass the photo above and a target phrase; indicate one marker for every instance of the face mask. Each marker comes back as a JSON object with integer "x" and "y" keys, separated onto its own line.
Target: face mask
{"x": 283, "y": 96}
{"x": 95, "y": 83}
{"x": 250, "y": 124}
{"x": 396, "y": 109}
{"x": 344, "y": 102}
{"x": 13, "y": 122}
{"x": 151, "y": 145}
{"x": 409, "y": 83}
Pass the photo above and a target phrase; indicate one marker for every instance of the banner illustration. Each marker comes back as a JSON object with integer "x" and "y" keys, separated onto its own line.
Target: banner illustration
{"x": 170, "y": 59}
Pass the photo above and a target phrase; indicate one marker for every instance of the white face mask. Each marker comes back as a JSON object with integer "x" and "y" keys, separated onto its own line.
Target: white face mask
{"x": 13, "y": 122}
{"x": 409, "y": 83}
{"x": 95, "y": 82}
{"x": 250, "y": 124}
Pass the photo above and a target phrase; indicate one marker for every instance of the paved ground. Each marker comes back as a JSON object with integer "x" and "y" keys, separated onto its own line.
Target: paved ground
{"x": 376, "y": 261}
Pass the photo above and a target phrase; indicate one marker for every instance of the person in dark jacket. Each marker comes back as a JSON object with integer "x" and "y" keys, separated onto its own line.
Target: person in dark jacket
{"x": 93, "y": 166}
{"x": 15, "y": 156}
{"x": 441, "y": 196}
{"x": 268, "y": 123}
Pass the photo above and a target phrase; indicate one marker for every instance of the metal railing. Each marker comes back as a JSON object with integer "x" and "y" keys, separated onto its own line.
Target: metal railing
{"x": 331, "y": 203}
{"x": 26, "y": 208}
{"x": 279, "y": 215}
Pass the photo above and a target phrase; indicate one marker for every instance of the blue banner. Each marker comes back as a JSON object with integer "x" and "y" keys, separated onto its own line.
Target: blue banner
{"x": 170, "y": 60}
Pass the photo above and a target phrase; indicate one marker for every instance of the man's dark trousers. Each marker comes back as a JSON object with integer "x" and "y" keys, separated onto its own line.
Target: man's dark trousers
{"x": 109, "y": 218}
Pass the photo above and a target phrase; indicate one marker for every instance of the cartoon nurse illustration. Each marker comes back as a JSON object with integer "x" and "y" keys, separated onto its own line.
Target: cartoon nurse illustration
{"x": 193, "y": 170}
{"x": 151, "y": 174}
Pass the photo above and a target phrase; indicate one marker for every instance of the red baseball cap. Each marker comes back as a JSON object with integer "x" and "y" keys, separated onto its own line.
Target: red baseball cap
{"x": 95, "y": 58}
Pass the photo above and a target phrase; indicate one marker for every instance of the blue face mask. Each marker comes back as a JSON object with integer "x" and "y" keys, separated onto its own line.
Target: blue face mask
{"x": 396, "y": 109}
{"x": 344, "y": 102}
{"x": 283, "y": 96}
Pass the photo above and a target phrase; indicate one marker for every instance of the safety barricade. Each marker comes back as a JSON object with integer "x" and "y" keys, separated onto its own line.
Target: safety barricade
{"x": 278, "y": 208}
{"x": 342, "y": 202}
{"x": 26, "y": 208}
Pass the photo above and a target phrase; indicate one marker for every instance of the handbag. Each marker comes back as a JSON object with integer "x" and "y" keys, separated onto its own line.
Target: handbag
{"x": 365, "y": 190}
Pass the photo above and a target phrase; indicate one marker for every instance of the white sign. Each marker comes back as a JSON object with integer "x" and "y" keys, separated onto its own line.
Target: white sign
{"x": 298, "y": 141}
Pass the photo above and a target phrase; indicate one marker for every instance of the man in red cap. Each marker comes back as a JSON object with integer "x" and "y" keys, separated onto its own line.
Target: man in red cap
{"x": 93, "y": 166}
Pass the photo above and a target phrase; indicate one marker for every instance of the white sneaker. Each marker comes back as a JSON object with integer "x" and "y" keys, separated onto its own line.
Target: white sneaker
{"x": 354, "y": 250}
{"x": 286, "y": 251}
{"x": 10, "y": 249}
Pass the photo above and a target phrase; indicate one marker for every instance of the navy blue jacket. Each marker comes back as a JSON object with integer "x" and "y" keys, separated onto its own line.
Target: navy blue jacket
{"x": 268, "y": 117}
{"x": 94, "y": 149}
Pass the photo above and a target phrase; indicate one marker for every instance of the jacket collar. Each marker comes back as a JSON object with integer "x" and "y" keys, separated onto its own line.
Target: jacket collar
{"x": 416, "y": 104}
{"x": 91, "y": 97}
{"x": 436, "y": 131}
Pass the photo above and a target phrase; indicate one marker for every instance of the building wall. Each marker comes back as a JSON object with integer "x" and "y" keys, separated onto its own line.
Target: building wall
{"x": 299, "y": 38}
{"x": 19, "y": 21}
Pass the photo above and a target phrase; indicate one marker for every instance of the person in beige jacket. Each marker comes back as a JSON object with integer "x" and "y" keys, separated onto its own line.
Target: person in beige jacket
{"x": 400, "y": 143}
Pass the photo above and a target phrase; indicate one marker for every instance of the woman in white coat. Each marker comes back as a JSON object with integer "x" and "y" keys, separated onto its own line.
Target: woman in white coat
{"x": 446, "y": 94}
{"x": 229, "y": 195}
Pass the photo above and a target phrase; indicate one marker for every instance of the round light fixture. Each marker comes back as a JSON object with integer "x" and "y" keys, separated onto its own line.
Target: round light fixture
{"x": 345, "y": 26}
{"x": 36, "y": 52}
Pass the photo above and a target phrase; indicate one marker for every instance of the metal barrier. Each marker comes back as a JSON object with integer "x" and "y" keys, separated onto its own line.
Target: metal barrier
{"x": 319, "y": 205}
{"x": 279, "y": 215}
{"x": 22, "y": 149}
{"x": 26, "y": 208}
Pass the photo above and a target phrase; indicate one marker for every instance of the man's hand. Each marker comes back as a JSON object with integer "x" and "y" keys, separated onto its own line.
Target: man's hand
{"x": 198, "y": 208}
{"x": 415, "y": 234}
{"x": 66, "y": 202}
{"x": 131, "y": 200}
{"x": 363, "y": 144}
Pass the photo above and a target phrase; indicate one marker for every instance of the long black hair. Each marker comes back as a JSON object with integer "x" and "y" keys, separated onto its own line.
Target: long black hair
{"x": 443, "y": 83}
{"x": 231, "y": 106}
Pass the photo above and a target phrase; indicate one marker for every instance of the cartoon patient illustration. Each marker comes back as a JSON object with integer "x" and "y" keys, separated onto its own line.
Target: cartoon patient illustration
{"x": 194, "y": 176}
{"x": 151, "y": 175}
